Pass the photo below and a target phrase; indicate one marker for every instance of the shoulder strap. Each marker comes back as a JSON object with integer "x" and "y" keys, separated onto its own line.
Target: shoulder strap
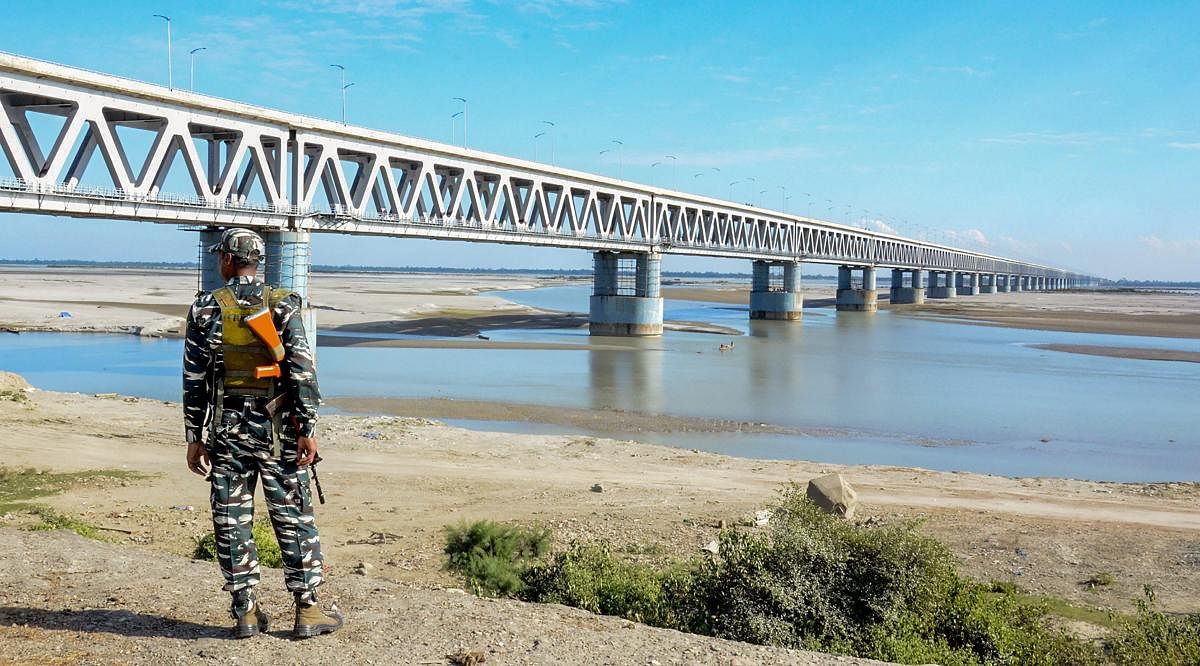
{"x": 277, "y": 296}
{"x": 225, "y": 298}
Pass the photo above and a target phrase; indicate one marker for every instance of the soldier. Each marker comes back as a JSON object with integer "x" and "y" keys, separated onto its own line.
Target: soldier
{"x": 260, "y": 424}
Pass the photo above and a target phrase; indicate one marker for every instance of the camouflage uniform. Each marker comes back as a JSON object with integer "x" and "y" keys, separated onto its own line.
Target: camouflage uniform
{"x": 241, "y": 449}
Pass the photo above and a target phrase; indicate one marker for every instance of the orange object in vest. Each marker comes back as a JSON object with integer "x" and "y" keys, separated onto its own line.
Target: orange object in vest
{"x": 264, "y": 371}
{"x": 263, "y": 327}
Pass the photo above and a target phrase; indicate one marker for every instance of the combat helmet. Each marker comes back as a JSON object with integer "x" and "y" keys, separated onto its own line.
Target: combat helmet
{"x": 241, "y": 243}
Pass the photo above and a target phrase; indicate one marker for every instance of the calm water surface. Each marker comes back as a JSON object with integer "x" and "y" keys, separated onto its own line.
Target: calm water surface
{"x": 880, "y": 389}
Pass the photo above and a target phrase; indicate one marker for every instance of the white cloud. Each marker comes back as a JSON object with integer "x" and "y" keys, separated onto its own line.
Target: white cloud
{"x": 973, "y": 236}
{"x": 880, "y": 225}
{"x": 1050, "y": 138}
{"x": 1170, "y": 246}
{"x": 960, "y": 69}
{"x": 723, "y": 158}
{"x": 1184, "y": 146}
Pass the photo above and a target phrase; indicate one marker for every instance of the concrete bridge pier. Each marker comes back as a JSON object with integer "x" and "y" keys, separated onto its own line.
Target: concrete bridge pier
{"x": 908, "y": 286}
{"x": 941, "y": 284}
{"x": 968, "y": 284}
{"x": 289, "y": 258}
{"x": 210, "y": 274}
{"x": 775, "y": 291}
{"x": 857, "y": 296}
{"x": 626, "y": 298}
{"x": 1014, "y": 283}
{"x": 987, "y": 283}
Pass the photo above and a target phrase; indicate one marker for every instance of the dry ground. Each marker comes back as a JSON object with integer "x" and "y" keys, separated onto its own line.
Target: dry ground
{"x": 407, "y": 478}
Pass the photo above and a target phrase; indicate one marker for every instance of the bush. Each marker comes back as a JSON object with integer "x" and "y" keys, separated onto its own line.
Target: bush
{"x": 589, "y": 577}
{"x": 269, "y": 554}
{"x": 493, "y": 557}
{"x": 1152, "y": 637}
{"x": 817, "y": 582}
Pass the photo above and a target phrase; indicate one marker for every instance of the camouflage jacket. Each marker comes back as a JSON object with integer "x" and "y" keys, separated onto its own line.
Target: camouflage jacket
{"x": 202, "y": 359}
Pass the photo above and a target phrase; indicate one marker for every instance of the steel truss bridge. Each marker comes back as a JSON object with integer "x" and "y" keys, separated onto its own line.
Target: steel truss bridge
{"x": 321, "y": 176}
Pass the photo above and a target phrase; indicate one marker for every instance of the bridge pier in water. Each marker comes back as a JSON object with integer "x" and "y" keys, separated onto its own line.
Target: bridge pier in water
{"x": 857, "y": 297}
{"x": 968, "y": 284}
{"x": 626, "y": 295}
{"x": 1014, "y": 283}
{"x": 289, "y": 257}
{"x": 941, "y": 284}
{"x": 908, "y": 286}
{"x": 988, "y": 284}
{"x": 775, "y": 291}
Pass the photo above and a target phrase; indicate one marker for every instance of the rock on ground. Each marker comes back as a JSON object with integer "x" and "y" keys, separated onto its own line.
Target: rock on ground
{"x": 834, "y": 494}
{"x": 66, "y": 599}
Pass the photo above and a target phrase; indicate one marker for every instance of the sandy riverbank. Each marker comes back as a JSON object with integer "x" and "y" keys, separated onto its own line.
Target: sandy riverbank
{"x": 411, "y": 476}
{"x": 1144, "y": 313}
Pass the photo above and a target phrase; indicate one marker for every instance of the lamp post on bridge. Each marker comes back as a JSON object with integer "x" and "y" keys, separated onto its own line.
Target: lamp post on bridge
{"x": 674, "y": 170}
{"x": 345, "y": 86}
{"x": 553, "y": 139}
{"x": 170, "y": 60}
{"x": 620, "y": 161}
{"x": 466, "y": 114}
{"x": 783, "y": 197}
{"x": 731, "y": 184}
{"x": 192, "y": 67}
{"x": 535, "y": 144}
{"x": 452, "y": 117}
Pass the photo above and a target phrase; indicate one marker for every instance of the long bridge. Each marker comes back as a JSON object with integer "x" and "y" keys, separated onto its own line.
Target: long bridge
{"x": 290, "y": 176}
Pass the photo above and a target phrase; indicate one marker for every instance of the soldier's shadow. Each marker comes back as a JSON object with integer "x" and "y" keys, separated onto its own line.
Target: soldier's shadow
{"x": 110, "y": 621}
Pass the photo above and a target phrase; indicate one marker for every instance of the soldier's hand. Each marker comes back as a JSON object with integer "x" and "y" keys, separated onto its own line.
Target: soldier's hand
{"x": 197, "y": 459}
{"x": 306, "y": 450}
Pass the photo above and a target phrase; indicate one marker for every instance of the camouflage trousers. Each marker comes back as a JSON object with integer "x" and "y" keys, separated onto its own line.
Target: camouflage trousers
{"x": 241, "y": 453}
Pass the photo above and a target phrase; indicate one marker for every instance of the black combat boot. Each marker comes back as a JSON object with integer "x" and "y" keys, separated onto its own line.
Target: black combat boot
{"x": 250, "y": 618}
{"x": 311, "y": 620}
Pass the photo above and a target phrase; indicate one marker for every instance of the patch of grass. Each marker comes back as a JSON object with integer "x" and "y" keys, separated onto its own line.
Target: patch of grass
{"x": 13, "y": 395}
{"x": 18, "y": 486}
{"x": 269, "y": 554}
{"x": 1057, "y": 607}
{"x": 493, "y": 557}
{"x": 49, "y": 519}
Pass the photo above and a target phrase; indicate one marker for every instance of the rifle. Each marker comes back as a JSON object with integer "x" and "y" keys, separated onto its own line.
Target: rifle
{"x": 317, "y": 479}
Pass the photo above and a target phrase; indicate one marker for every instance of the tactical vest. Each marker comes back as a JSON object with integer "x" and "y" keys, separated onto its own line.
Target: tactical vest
{"x": 241, "y": 349}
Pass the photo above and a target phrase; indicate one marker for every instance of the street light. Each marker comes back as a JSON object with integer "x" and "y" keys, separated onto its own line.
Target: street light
{"x": 452, "y": 117}
{"x": 344, "y": 86}
{"x": 783, "y": 197}
{"x": 553, "y": 140}
{"x": 620, "y": 162}
{"x": 674, "y": 169}
{"x": 192, "y": 67}
{"x": 170, "y": 64}
{"x": 466, "y": 118}
{"x": 731, "y": 184}
{"x": 535, "y": 144}
{"x": 760, "y": 193}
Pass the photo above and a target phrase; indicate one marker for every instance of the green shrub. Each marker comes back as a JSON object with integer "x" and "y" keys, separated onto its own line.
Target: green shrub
{"x": 1153, "y": 637}
{"x": 492, "y": 557}
{"x": 591, "y": 578}
{"x": 269, "y": 554}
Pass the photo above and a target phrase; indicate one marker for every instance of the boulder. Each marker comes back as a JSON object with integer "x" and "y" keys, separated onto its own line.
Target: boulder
{"x": 833, "y": 494}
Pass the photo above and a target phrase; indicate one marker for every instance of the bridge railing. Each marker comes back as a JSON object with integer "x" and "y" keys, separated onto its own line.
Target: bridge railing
{"x": 379, "y": 183}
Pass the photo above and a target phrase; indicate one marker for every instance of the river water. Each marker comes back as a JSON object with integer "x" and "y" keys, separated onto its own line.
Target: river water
{"x": 880, "y": 389}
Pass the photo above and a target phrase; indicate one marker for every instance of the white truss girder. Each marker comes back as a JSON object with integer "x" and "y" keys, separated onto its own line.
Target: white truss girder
{"x": 325, "y": 177}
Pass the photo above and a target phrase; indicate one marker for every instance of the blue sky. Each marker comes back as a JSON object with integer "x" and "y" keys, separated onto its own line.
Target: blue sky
{"x": 1065, "y": 132}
